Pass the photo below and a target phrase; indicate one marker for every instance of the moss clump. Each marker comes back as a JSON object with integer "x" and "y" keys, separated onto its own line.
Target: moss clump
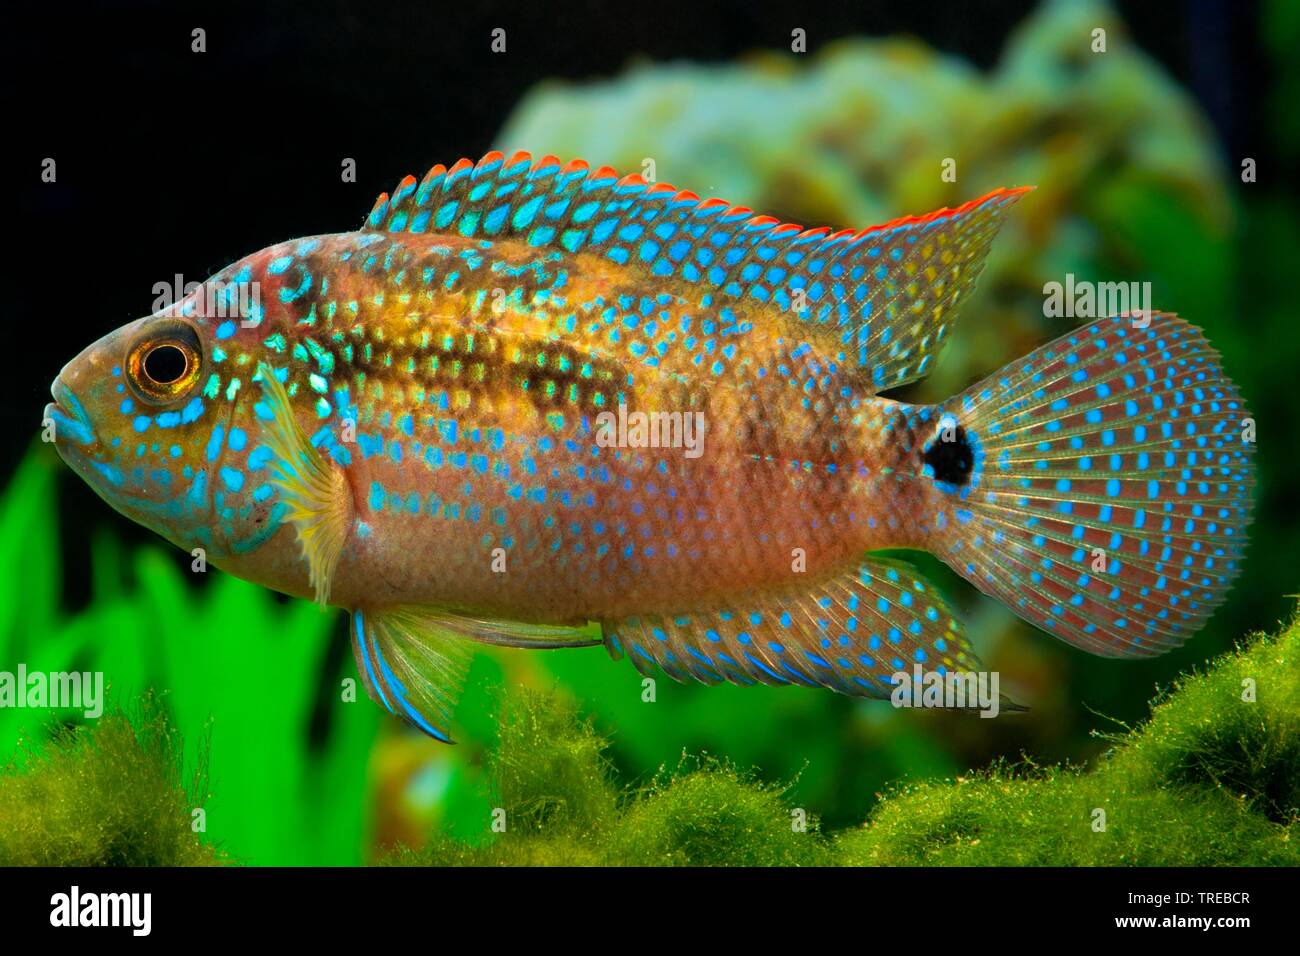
{"x": 1018, "y": 818}
{"x": 102, "y": 795}
{"x": 1206, "y": 733}
{"x": 1213, "y": 778}
{"x": 550, "y": 769}
{"x": 552, "y": 792}
{"x": 714, "y": 816}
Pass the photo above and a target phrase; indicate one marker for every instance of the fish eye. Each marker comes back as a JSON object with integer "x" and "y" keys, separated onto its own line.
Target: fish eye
{"x": 164, "y": 361}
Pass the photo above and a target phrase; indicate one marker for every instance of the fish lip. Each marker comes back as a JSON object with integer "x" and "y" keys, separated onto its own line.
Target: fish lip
{"x": 69, "y": 415}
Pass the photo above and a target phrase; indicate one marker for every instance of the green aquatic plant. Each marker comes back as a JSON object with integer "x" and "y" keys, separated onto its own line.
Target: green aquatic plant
{"x": 1212, "y": 778}
{"x": 111, "y": 795}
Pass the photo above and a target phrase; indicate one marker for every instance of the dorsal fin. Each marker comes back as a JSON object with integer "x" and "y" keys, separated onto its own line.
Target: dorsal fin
{"x": 882, "y": 296}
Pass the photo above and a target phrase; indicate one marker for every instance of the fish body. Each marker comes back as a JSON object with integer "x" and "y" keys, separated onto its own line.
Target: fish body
{"x": 526, "y": 396}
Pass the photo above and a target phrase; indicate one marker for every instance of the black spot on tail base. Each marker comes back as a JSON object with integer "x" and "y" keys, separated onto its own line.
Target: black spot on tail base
{"x": 953, "y": 459}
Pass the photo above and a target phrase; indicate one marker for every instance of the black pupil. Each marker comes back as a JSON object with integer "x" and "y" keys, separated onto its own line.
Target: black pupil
{"x": 164, "y": 364}
{"x": 953, "y": 460}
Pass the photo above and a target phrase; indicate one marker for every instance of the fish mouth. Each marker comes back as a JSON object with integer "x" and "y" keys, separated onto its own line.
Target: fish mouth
{"x": 69, "y": 416}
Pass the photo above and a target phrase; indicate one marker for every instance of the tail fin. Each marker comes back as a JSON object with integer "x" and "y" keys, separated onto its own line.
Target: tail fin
{"x": 1111, "y": 487}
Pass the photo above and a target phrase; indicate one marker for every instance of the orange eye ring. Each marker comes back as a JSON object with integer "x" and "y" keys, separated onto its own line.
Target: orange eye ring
{"x": 163, "y": 364}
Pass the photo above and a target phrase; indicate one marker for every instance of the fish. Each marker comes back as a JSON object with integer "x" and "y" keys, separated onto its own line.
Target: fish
{"x": 527, "y": 396}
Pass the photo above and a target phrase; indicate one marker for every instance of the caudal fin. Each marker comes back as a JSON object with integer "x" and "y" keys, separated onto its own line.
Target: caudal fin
{"x": 1111, "y": 486}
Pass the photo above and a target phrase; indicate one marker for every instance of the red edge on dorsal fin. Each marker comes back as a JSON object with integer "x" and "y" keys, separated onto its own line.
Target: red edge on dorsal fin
{"x": 777, "y": 228}
{"x": 945, "y": 212}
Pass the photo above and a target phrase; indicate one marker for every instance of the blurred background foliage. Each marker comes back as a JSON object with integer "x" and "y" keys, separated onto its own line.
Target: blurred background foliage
{"x": 1132, "y": 186}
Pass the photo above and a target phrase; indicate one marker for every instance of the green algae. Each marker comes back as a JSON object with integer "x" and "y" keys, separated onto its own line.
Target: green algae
{"x": 108, "y": 795}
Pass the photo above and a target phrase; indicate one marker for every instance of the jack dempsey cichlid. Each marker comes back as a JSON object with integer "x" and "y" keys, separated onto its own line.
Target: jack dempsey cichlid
{"x": 526, "y": 395}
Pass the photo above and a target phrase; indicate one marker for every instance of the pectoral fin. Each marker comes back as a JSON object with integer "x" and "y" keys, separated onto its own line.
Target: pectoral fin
{"x": 313, "y": 487}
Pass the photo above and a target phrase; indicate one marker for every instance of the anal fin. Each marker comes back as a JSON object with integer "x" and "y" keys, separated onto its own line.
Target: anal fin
{"x": 849, "y": 633}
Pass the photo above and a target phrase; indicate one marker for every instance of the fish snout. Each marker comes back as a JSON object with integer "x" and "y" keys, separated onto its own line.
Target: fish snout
{"x": 68, "y": 415}
{"x": 94, "y": 364}
{"x": 79, "y": 382}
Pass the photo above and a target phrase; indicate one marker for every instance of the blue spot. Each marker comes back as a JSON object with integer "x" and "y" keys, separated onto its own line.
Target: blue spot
{"x": 260, "y": 457}
{"x": 233, "y": 478}
{"x": 214, "y": 442}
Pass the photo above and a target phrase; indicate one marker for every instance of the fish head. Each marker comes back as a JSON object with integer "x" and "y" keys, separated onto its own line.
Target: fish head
{"x": 153, "y": 417}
